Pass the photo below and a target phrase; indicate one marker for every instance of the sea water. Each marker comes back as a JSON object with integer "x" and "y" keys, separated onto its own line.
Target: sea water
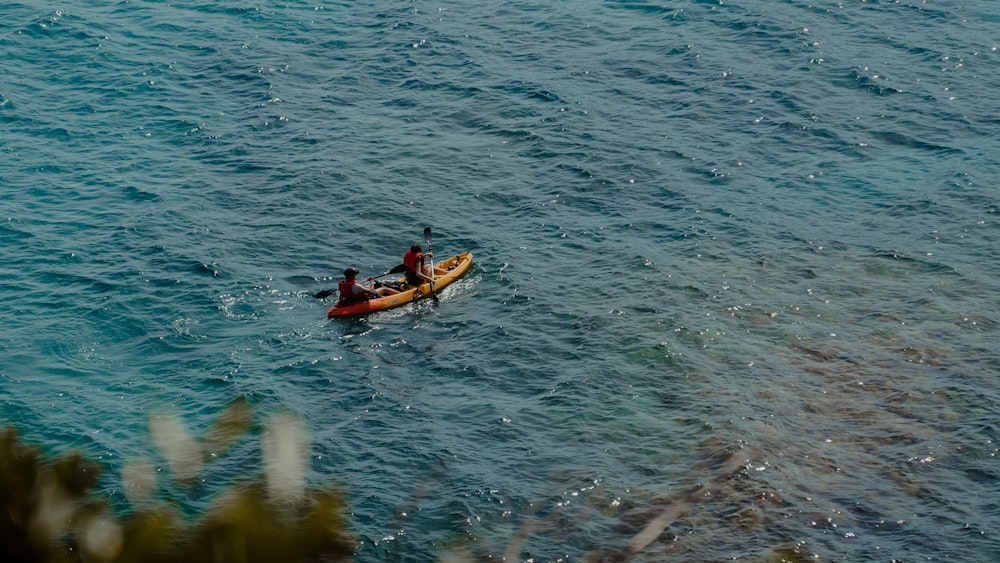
{"x": 735, "y": 287}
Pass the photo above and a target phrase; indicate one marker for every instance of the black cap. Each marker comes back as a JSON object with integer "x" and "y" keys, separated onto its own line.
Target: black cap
{"x": 351, "y": 272}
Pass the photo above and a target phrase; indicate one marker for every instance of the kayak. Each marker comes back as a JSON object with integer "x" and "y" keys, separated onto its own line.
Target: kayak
{"x": 446, "y": 273}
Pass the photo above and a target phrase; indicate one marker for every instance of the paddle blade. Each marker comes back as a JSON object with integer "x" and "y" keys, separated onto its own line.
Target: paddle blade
{"x": 395, "y": 270}
{"x": 324, "y": 294}
{"x": 427, "y": 235}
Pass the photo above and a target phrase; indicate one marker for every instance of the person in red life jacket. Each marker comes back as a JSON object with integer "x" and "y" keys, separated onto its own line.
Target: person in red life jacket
{"x": 351, "y": 291}
{"x": 416, "y": 271}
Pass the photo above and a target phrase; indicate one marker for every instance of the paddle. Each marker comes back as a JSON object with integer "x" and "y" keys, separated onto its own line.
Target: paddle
{"x": 328, "y": 292}
{"x": 427, "y": 238}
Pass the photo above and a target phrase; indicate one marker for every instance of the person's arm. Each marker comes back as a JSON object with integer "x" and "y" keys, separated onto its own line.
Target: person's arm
{"x": 358, "y": 289}
{"x": 422, "y": 268}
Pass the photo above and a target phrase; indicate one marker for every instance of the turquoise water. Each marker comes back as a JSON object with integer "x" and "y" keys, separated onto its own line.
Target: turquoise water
{"x": 735, "y": 292}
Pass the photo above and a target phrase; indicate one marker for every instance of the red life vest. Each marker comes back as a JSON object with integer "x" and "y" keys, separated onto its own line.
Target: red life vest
{"x": 347, "y": 296}
{"x": 413, "y": 260}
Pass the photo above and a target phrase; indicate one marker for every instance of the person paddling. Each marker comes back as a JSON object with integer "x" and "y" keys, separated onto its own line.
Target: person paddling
{"x": 351, "y": 291}
{"x": 416, "y": 271}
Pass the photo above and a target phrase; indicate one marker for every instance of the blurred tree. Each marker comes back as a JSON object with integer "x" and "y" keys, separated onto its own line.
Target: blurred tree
{"x": 50, "y": 513}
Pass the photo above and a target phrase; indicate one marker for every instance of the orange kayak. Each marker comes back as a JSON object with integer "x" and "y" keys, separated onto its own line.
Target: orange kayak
{"x": 447, "y": 270}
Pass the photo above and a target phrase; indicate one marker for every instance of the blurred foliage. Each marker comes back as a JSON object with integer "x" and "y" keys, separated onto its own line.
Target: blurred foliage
{"x": 49, "y": 511}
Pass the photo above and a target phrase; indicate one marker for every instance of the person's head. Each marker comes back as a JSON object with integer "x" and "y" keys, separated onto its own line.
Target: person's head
{"x": 350, "y": 273}
{"x": 417, "y": 248}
